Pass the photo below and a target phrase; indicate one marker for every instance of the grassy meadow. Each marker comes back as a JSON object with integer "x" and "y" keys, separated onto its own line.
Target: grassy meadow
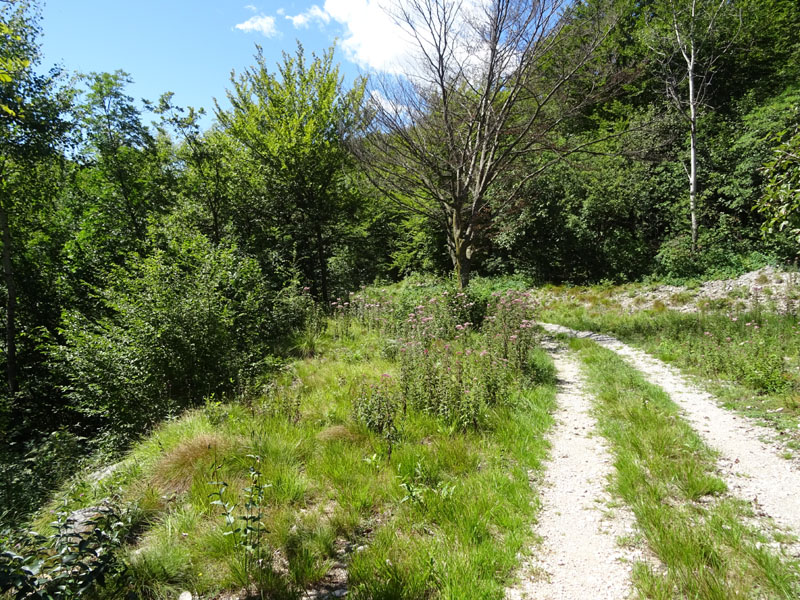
{"x": 747, "y": 355}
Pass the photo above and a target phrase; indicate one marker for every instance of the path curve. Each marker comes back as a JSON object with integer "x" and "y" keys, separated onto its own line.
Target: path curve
{"x": 579, "y": 556}
{"x": 751, "y": 468}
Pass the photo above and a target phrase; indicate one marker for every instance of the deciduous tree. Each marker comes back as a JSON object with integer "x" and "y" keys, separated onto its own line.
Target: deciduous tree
{"x": 688, "y": 37}
{"x": 490, "y": 81}
{"x": 294, "y": 124}
{"x": 31, "y": 126}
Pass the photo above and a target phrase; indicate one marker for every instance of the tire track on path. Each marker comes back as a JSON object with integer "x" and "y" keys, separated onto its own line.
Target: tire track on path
{"x": 579, "y": 556}
{"x": 750, "y": 467}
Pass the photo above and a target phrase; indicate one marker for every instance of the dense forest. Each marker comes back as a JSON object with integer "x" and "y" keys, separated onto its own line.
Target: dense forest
{"x": 150, "y": 264}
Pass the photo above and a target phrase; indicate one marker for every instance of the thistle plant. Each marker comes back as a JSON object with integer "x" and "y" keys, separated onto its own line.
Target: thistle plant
{"x": 376, "y": 407}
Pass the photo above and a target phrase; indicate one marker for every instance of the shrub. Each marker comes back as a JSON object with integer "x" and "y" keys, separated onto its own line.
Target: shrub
{"x": 187, "y": 322}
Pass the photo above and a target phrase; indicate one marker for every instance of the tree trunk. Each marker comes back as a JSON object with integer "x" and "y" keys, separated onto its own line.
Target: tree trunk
{"x": 693, "y": 187}
{"x": 460, "y": 250}
{"x": 11, "y": 304}
{"x": 693, "y": 159}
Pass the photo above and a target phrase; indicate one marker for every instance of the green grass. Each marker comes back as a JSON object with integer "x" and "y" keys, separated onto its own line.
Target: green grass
{"x": 749, "y": 360}
{"x": 447, "y": 515}
{"x": 665, "y": 473}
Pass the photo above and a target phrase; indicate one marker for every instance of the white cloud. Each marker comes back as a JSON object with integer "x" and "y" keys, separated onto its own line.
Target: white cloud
{"x": 372, "y": 38}
{"x": 260, "y": 23}
{"x": 281, "y": 11}
{"x": 315, "y": 13}
{"x": 251, "y": 8}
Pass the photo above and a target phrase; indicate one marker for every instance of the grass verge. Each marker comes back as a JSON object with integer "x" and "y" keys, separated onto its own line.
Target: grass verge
{"x": 707, "y": 541}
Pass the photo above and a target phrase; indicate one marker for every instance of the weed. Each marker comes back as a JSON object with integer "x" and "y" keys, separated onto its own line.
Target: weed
{"x": 376, "y": 408}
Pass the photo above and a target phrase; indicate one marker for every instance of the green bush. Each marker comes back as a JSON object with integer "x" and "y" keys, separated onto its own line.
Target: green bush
{"x": 189, "y": 321}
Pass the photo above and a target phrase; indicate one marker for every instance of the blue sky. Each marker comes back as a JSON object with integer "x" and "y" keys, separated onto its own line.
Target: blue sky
{"x": 190, "y": 46}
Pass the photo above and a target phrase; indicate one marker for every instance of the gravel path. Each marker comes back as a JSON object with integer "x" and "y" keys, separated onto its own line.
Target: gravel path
{"x": 579, "y": 557}
{"x": 750, "y": 467}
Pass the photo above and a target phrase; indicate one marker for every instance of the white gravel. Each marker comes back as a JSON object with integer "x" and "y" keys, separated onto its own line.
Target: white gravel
{"x": 579, "y": 557}
{"x": 751, "y": 468}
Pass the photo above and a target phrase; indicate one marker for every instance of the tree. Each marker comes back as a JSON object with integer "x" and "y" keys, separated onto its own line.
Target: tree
{"x": 688, "y": 37}
{"x": 294, "y": 124}
{"x": 123, "y": 171}
{"x": 490, "y": 82}
{"x": 208, "y": 172}
{"x": 31, "y": 126}
{"x": 781, "y": 200}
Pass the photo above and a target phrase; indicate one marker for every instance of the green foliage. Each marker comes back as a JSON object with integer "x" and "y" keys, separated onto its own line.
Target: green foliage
{"x": 376, "y": 407}
{"x": 781, "y": 200}
{"x": 186, "y": 322}
{"x": 294, "y": 125}
{"x": 127, "y": 180}
{"x": 80, "y": 556}
{"x": 29, "y": 473}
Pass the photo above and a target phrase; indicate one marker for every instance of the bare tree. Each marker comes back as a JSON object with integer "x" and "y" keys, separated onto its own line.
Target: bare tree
{"x": 490, "y": 81}
{"x": 687, "y": 37}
